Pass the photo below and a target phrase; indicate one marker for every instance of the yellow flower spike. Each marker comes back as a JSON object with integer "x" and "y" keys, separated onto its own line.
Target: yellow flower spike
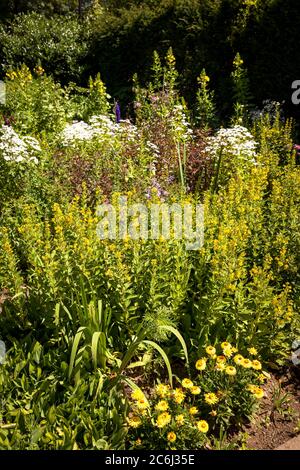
{"x": 203, "y": 426}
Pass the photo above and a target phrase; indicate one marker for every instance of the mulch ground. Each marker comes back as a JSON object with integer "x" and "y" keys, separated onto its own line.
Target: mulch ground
{"x": 278, "y": 419}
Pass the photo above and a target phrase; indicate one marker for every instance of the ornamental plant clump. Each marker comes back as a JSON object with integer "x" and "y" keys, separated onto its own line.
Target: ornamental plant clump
{"x": 225, "y": 392}
{"x": 233, "y": 149}
{"x": 16, "y": 149}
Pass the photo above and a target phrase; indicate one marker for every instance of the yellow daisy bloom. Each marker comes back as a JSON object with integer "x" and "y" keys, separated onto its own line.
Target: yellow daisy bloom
{"x": 228, "y": 351}
{"x": 193, "y": 410}
{"x": 162, "y": 390}
{"x": 259, "y": 393}
{"x": 221, "y": 359}
{"x": 238, "y": 359}
{"x": 134, "y": 421}
{"x": 220, "y": 366}
{"x": 142, "y": 404}
{"x": 162, "y": 405}
{"x": 187, "y": 383}
{"x": 201, "y": 364}
{"x": 211, "y": 398}
{"x": 171, "y": 436}
{"x": 210, "y": 350}
{"x": 202, "y": 426}
{"x": 256, "y": 365}
{"x": 163, "y": 419}
{"x": 195, "y": 390}
{"x": 246, "y": 363}
{"x": 179, "y": 420}
{"x": 178, "y": 395}
{"x": 252, "y": 351}
{"x": 230, "y": 370}
{"x": 226, "y": 345}
{"x": 137, "y": 395}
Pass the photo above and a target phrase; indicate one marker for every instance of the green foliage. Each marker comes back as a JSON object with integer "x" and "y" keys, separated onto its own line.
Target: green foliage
{"x": 205, "y": 107}
{"x": 58, "y": 43}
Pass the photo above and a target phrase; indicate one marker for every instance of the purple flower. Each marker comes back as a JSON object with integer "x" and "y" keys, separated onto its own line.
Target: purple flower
{"x": 118, "y": 113}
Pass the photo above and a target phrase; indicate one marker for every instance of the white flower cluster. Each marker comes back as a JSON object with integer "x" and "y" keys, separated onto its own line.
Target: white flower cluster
{"x": 235, "y": 141}
{"x": 180, "y": 124}
{"x": 270, "y": 108}
{"x": 100, "y": 128}
{"x": 14, "y": 148}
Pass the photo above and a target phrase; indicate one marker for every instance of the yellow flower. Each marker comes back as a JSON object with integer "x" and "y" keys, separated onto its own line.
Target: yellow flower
{"x": 162, "y": 390}
{"x": 230, "y": 370}
{"x": 193, "y": 410}
{"x": 142, "y": 404}
{"x": 221, "y": 359}
{"x": 187, "y": 383}
{"x": 178, "y": 395}
{"x": 213, "y": 413}
{"x": 220, "y": 366}
{"x": 256, "y": 365}
{"x": 256, "y": 391}
{"x": 163, "y": 419}
{"x": 238, "y": 359}
{"x": 171, "y": 436}
{"x": 211, "y": 398}
{"x": 262, "y": 378}
{"x": 134, "y": 422}
{"x": 246, "y": 363}
{"x": 179, "y": 420}
{"x": 210, "y": 350}
{"x": 259, "y": 393}
{"x": 162, "y": 405}
{"x": 201, "y": 364}
{"x": 138, "y": 442}
{"x": 195, "y": 390}
{"x": 228, "y": 351}
{"x": 202, "y": 426}
{"x": 137, "y": 395}
{"x": 225, "y": 345}
{"x": 252, "y": 351}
